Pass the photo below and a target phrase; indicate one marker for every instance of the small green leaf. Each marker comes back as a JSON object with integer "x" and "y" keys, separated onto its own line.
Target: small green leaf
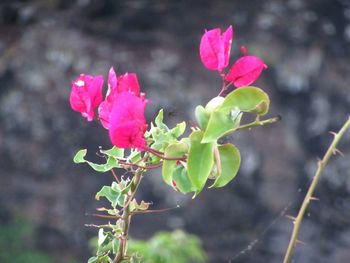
{"x": 247, "y": 99}
{"x": 134, "y": 156}
{"x": 114, "y": 152}
{"x": 202, "y": 117}
{"x": 101, "y": 237}
{"x": 93, "y": 260}
{"x": 219, "y": 124}
{"x": 177, "y": 149}
{"x": 110, "y": 194}
{"x": 183, "y": 183}
{"x": 200, "y": 160}
{"x": 178, "y": 130}
{"x": 103, "y": 259}
{"x": 115, "y": 245}
{"x": 121, "y": 200}
{"x": 111, "y": 162}
{"x": 79, "y": 156}
{"x": 230, "y": 162}
{"x": 159, "y": 119}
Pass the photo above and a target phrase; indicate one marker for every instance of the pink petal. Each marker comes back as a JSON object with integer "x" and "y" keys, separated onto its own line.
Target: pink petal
{"x": 86, "y": 95}
{"x": 112, "y": 80}
{"x": 104, "y": 111}
{"x": 95, "y": 91}
{"x": 215, "y": 49}
{"x": 209, "y": 48}
{"x": 245, "y": 71}
{"x": 127, "y": 123}
{"x": 128, "y": 135}
{"x": 227, "y": 41}
{"x": 128, "y": 82}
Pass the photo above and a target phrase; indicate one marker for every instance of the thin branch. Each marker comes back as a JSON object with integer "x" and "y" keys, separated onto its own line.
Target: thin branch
{"x": 155, "y": 211}
{"x": 106, "y": 216}
{"x": 258, "y": 122}
{"x": 99, "y": 226}
{"x": 147, "y": 167}
{"x": 161, "y": 155}
{"x": 115, "y": 176}
{"x": 309, "y": 195}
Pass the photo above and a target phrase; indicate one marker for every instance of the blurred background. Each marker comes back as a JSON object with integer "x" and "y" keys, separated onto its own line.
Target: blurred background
{"x": 45, "y": 199}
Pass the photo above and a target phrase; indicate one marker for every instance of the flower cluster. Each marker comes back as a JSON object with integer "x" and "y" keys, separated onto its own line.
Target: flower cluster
{"x": 215, "y": 51}
{"x": 122, "y": 112}
{"x": 123, "y": 108}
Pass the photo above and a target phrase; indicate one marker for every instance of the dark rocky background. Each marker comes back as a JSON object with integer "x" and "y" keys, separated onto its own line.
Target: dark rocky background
{"x": 45, "y": 44}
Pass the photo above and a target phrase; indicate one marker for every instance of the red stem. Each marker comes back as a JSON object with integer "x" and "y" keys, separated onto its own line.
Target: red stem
{"x": 161, "y": 155}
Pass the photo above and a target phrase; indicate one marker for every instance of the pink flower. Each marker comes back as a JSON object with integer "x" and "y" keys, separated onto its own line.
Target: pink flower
{"x": 128, "y": 82}
{"x": 116, "y": 85}
{"x": 127, "y": 123}
{"x": 245, "y": 71}
{"x": 86, "y": 95}
{"x": 215, "y": 48}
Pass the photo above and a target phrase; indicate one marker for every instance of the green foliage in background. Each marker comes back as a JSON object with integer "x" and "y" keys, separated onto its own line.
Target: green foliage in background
{"x": 165, "y": 247}
{"x": 16, "y": 245}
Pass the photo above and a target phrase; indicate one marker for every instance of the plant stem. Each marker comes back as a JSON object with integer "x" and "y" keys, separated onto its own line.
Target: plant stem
{"x": 126, "y": 218}
{"x": 161, "y": 155}
{"x": 257, "y": 122}
{"x": 308, "y": 197}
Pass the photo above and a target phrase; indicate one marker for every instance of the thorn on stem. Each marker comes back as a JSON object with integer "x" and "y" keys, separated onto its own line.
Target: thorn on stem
{"x": 314, "y": 198}
{"x": 319, "y": 161}
{"x": 335, "y": 151}
{"x": 300, "y": 242}
{"x": 333, "y": 133}
{"x": 291, "y": 218}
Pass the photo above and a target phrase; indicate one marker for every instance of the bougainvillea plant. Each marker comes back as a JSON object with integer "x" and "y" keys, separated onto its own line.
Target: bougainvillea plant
{"x": 188, "y": 163}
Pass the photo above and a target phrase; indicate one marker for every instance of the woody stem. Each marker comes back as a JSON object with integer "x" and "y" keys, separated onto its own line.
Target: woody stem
{"x": 126, "y": 219}
{"x": 321, "y": 165}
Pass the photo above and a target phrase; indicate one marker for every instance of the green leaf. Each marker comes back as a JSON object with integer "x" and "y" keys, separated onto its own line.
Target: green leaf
{"x": 101, "y": 237}
{"x": 200, "y": 160}
{"x": 114, "y": 152}
{"x": 109, "y": 193}
{"x": 93, "y": 260}
{"x": 79, "y": 156}
{"x": 115, "y": 245}
{"x": 213, "y": 104}
{"x": 219, "y": 124}
{"x": 121, "y": 200}
{"x": 202, "y": 117}
{"x": 111, "y": 162}
{"x": 230, "y": 160}
{"x": 99, "y": 259}
{"x": 247, "y": 99}
{"x": 177, "y": 149}
{"x": 134, "y": 156}
{"x": 178, "y": 130}
{"x": 183, "y": 183}
{"x": 159, "y": 119}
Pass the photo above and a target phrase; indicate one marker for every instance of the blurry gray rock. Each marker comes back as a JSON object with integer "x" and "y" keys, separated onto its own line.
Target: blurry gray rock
{"x": 45, "y": 45}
